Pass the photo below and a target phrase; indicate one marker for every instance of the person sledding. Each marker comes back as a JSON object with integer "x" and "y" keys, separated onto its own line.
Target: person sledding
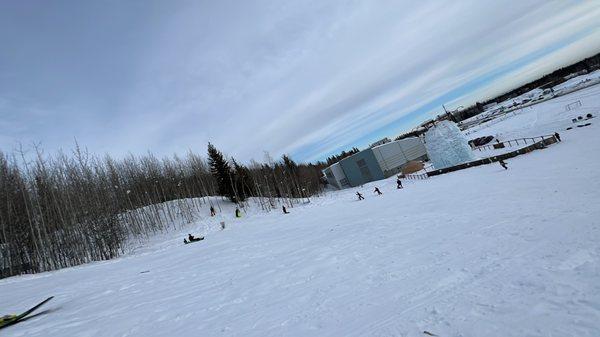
{"x": 285, "y": 211}
{"x": 360, "y": 197}
{"x": 192, "y": 238}
{"x": 377, "y": 191}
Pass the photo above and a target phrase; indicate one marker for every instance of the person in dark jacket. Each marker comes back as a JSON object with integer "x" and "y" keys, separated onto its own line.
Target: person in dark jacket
{"x": 503, "y": 164}
{"x": 377, "y": 191}
{"x": 399, "y": 183}
{"x": 285, "y": 210}
{"x": 360, "y": 197}
{"x": 192, "y": 238}
{"x": 212, "y": 211}
{"x": 238, "y": 213}
{"x": 557, "y": 136}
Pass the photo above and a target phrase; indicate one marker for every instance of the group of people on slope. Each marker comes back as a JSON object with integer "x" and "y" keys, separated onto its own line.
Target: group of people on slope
{"x": 376, "y": 190}
{"x": 213, "y": 212}
{"x": 238, "y": 213}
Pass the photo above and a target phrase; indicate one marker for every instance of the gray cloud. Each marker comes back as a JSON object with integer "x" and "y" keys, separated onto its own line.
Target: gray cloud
{"x": 305, "y": 78}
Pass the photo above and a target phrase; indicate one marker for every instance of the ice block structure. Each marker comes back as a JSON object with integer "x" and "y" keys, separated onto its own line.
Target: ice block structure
{"x": 447, "y": 146}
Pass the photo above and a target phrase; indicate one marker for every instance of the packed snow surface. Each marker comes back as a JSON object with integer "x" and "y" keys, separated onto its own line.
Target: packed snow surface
{"x": 536, "y": 96}
{"x": 573, "y": 83}
{"x": 477, "y": 252}
{"x": 542, "y": 119}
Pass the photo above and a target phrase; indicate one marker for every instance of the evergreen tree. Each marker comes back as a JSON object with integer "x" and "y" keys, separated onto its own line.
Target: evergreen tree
{"x": 219, "y": 168}
{"x": 290, "y": 164}
{"x": 243, "y": 181}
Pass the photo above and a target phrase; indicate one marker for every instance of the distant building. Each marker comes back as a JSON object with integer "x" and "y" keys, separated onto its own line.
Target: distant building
{"x": 427, "y": 124}
{"x": 336, "y": 177}
{"x": 489, "y": 105}
{"x": 393, "y": 156}
{"x": 380, "y": 142}
{"x": 375, "y": 163}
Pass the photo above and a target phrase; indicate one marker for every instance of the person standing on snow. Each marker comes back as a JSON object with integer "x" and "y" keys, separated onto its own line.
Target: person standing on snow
{"x": 360, "y": 197}
{"x": 285, "y": 210}
{"x": 557, "y": 136}
{"x": 238, "y": 213}
{"x": 377, "y": 191}
{"x": 399, "y": 183}
{"x": 212, "y": 211}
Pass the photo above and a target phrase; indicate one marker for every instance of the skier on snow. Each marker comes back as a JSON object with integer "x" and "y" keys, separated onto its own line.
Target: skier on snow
{"x": 285, "y": 210}
{"x": 360, "y": 197}
{"x": 399, "y": 183}
{"x": 377, "y": 191}
{"x": 503, "y": 164}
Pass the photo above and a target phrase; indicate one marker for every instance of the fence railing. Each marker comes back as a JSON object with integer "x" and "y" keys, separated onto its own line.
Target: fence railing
{"x": 545, "y": 141}
{"x": 415, "y": 176}
{"x": 513, "y": 142}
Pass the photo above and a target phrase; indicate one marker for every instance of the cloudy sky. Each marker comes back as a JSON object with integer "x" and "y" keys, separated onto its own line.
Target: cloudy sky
{"x": 308, "y": 78}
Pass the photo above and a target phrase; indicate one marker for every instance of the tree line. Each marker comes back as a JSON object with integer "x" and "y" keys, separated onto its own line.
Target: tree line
{"x": 337, "y": 157}
{"x": 69, "y": 209}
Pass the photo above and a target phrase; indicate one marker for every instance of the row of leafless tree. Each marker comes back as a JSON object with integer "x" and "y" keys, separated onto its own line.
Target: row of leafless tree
{"x": 71, "y": 209}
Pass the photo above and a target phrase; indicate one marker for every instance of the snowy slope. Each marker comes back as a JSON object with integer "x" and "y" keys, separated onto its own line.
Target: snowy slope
{"x": 541, "y": 119}
{"x": 536, "y": 96}
{"x": 478, "y": 252}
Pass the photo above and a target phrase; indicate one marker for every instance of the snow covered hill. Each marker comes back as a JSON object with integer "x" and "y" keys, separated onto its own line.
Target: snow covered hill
{"x": 536, "y": 96}
{"x": 478, "y": 252}
{"x": 543, "y": 118}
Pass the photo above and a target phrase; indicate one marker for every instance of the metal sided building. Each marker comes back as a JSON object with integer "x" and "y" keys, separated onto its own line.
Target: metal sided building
{"x": 375, "y": 163}
{"x": 335, "y": 176}
{"x": 393, "y": 156}
{"x": 361, "y": 168}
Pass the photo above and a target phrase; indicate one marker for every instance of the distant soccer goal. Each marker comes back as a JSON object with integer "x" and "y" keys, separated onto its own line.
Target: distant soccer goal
{"x": 573, "y": 105}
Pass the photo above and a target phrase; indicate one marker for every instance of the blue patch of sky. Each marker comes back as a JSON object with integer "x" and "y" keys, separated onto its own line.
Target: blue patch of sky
{"x": 434, "y": 107}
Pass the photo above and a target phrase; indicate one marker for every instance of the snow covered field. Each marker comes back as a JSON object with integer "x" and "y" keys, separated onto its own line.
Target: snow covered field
{"x": 579, "y": 81}
{"x": 537, "y": 96}
{"x": 543, "y": 118}
{"x": 478, "y": 252}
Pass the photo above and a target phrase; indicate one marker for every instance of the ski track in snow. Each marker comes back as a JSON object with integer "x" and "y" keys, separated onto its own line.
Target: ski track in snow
{"x": 478, "y": 252}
